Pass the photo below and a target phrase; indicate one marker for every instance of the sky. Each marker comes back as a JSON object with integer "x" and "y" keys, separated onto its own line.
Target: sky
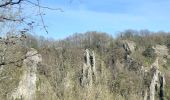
{"x": 110, "y": 16}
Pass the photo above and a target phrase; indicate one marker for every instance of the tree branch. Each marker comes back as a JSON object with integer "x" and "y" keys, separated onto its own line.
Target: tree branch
{"x": 10, "y": 2}
{"x": 42, "y": 20}
{"x": 2, "y": 19}
{"x": 59, "y": 9}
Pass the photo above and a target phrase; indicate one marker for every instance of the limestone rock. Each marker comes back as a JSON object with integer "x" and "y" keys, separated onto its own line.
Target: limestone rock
{"x": 89, "y": 69}
{"x": 157, "y": 83}
{"x": 162, "y": 53}
{"x": 161, "y": 50}
{"x": 27, "y": 85}
{"x": 129, "y": 46}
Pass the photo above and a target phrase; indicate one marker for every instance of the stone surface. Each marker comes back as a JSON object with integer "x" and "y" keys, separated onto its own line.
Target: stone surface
{"x": 129, "y": 46}
{"x": 161, "y": 50}
{"x": 157, "y": 83}
{"x": 89, "y": 69}
{"x": 27, "y": 85}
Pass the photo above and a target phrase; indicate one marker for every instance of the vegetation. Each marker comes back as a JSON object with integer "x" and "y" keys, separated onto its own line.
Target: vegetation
{"x": 118, "y": 72}
{"x": 122, "y": 73}
{"x": 150, "y": 54}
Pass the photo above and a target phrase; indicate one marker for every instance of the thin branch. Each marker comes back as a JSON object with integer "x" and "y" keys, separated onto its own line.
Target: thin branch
{"x": 11, "y": 62}
{"x": 10, "y": 19}
{"x": 42, "y": 20}
{"x": 10, "y": 2}
{"x": 59, "y": 9}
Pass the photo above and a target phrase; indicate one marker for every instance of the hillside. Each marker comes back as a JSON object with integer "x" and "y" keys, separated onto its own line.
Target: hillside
{"x": 90, "y": 66}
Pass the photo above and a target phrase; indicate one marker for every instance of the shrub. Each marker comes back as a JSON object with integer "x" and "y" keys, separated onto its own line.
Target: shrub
{"x": 167, "y": 43}
{"x": 149, "y": 53}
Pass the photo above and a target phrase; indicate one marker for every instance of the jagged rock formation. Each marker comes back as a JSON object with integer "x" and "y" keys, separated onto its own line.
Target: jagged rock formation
{"x": 157, "y": 83}
{"x": 129, "y": 46}
{"x": 158, "y": 80}
{"x": 89, "y": 69}
{"x": 27, "y": 85}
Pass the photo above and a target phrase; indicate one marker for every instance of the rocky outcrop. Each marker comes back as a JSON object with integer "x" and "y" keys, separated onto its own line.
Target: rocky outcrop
{"x": 157, "y": 83}
{"x": 27, "y": 85}
{"x": 162, "y": 53}
{"x": 161, "y": 50}
{"x": 129, "y": 46}
{"x": 89, "y": 69}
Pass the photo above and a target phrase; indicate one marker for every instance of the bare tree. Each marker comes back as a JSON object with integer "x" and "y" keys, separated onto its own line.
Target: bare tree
{"x": 11, "y": 15}
{"x": 14, "y": 24}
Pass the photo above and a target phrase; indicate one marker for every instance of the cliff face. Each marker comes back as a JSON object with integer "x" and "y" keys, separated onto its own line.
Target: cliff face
{"x": 90, "y": 73}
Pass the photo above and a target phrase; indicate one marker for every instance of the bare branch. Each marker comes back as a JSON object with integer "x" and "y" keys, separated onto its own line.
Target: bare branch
{"x": 2, "y": 19}
{"x": 59, "y": 9}
{"x": 10, "y": 2}
{"x": 42, "y": 20}
{"x": 37, "y": 4}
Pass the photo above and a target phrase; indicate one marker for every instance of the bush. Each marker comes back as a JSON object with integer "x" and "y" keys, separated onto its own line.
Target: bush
{"x": 168, "y": 44}
{"x": 149, "y": 53}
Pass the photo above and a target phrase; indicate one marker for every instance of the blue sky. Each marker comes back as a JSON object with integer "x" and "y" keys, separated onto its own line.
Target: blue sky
{"x": 111, "y": 16}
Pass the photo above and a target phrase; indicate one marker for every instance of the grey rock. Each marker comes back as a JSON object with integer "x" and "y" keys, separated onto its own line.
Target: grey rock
{"x": 89, "y": 69}
{"x": 27, "y": 85}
